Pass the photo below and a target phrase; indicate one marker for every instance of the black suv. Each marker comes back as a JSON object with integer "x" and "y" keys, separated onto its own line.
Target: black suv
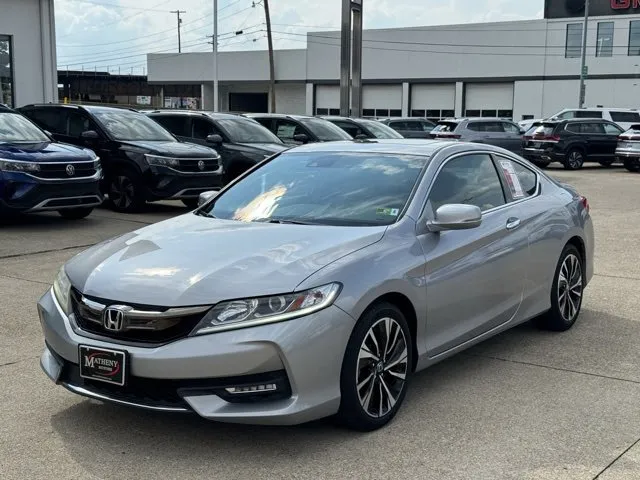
{"x": 297, "y": 129}
{"x": 141, "y": 160}
{"x": 362, "y": 128}
{"x": 572, "y": 142}
{"x": 38, "y": 174}
{"x": 241, "y": 142}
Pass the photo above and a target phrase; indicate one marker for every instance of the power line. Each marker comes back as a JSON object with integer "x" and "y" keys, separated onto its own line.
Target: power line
{"x": 119, "y": 6}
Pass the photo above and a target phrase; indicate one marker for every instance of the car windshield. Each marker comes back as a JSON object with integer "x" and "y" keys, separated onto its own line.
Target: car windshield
{"x": 327, "y": 188}
{"x": 545, "y": 129}
{"x": 325, "y": 130}
{"x": 379, "y": 130}
{"x": 247, "y": 131}
{"x": 14, "y": 128}
{"x": 126, "y": 125}
{"x": 532, "y": 129}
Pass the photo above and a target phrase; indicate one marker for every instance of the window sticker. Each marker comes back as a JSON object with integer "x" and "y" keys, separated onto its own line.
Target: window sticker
{"x": 512, "y": 179}
{"x": 393, "y": 212}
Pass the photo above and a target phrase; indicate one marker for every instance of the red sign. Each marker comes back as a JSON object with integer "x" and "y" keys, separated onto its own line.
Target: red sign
{"x": 624, "y": 4}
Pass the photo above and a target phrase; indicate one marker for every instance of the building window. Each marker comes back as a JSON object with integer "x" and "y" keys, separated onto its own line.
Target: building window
{"x": 417, "y": 113}
{"x": 368, "y": 112}
{"x": 395, "y": 112}
{"x": 472, "y": 113}
{"x": 604, "y": 45}
{"x": 489, "y": 113}
{"x": 6, "y": 71}
{"x": 527, "y": 117}
{"x": 634, "y": 38}
{"x": 382, "y": 112}
{"x": 508, "y": 114}
{"x": 448, "y": 114}
{"x": 573, "y": 47}
{"x": 322, "y": 111}
{"x": 334, "y": 111}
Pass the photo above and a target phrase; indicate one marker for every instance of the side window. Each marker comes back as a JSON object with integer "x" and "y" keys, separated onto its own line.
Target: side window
{"x": 493, "y": 127}
{"x": 77, "y": 123}
{"x": 350, "y": 128}
{"x": 521, "y": 181}
{"x": 265, "y": 122}
{"x": 510, "y": 128}
{"x": 286, "y": 129}
{"x": 470, "y": 179}
{"x": 475, "y": 126}
{"x": 399, "y": 125}
{"x": 611, "y": 129}
{"x": 48, "y": 119}
{"x": 203, "y": 128}
{"x": 588, "y": 114}
{"x": 573, "y": 127}
{"x": 176, "y": 124}
{"x": 593, "y": 128}
{"x": 426, "y": 126}
{"x": 567, "y": 115}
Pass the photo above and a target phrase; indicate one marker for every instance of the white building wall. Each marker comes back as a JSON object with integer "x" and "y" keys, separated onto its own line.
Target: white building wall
{"x": 291, "y": 98}
{"x": 490, "y": 96}
{"x": 31, "y": 25}
{"x": 527, "y": 99}
{"x": 433, "y": 96}
{"x": 382, "y": 96}
{"x": 327, "y": 96}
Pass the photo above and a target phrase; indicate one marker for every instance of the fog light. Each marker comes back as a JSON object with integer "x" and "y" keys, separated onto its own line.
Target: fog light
{"x": 266, "y": 387}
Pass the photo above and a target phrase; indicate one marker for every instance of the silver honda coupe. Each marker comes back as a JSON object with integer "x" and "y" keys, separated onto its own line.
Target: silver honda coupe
{"x": 318, "y": 282}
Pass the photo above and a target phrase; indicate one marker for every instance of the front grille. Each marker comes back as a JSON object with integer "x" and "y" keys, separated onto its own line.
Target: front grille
{"x": 192, "y": 165}
{"x": 162, "y": 331}
{"x": 59, "y": 170}
{"x": 169, "y": 393}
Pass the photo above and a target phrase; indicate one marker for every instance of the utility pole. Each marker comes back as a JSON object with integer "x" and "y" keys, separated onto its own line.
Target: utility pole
{"x": 345, "y": 58}
{"x": 178, "y": 12}
{"x": 272, "y": 69}
{"x": 356, "y": 59}
{"x": 215, "y": 55}
{"x": 583, "y": 66}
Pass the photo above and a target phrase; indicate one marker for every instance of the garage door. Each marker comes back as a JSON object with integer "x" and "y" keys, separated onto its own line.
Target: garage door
{"x": 382, "y": 101}
{"x": 327, "y": 100}
{"x": 489, "y": 100}
{"x": 433, "y": 101}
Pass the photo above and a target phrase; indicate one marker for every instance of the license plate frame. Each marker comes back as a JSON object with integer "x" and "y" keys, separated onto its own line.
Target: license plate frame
{"x": 103, "y": 364}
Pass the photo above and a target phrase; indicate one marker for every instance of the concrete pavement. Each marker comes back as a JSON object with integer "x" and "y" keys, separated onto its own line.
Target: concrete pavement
{"x": 526, "y": 405}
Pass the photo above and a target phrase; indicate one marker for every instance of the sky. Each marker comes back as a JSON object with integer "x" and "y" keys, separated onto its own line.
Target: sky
{"x": 116, "y": 35}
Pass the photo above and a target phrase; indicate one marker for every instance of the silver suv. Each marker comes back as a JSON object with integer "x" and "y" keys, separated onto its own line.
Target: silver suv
{"x": 492, "y": 131}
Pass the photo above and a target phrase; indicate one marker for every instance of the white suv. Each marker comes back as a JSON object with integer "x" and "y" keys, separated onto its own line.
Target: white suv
{"x": 624, "y": 117}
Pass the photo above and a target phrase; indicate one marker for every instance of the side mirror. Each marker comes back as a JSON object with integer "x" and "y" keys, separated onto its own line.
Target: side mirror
{"x": 361, "y": 136}
{"x": 301, "y": 137}
{"x": 90, "y": 135}
{"x": 455, "y": 217}
{"x": 206, "y": 196}
{"x": 214, "y": 138}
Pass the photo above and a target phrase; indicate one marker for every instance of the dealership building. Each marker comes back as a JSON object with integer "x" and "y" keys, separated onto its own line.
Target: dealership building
{"x": 27, "y": 52}
{"x": 519, "y": 70}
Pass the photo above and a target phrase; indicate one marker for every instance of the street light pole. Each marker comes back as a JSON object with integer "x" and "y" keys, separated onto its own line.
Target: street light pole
{"x": 583, "y": 73}
{"x": 215, "y": 55}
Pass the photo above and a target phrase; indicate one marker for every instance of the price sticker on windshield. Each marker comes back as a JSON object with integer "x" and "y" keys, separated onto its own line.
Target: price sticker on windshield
{"x": 512, "y": 179}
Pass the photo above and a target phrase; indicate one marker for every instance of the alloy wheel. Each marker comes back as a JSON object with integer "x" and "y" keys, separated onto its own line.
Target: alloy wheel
{"x": 382, "y": 367}
{"x": 122, "y": 192}
{"x": 575, "y": 159}
{"x": 570, "y": 287}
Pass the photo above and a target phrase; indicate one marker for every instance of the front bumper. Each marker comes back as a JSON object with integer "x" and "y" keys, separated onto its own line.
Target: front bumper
{"x": 24, "y": 193}
{"x": 304, "y": 354}
{"x": 166, "y": 182}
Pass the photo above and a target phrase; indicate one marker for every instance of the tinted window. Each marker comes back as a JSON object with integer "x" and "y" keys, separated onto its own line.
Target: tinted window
{"x": 587, "y": 114}
{"x": 379, "y": 130}
{"x": 241, "y": 130}
{"x": 573, "y": 47}
{"x": 625, "y": 116}
{"x": 176, "y": 124}
{"x": 77, "y": 123}
{"x": 427, "y": 126}
{"x": 544, "y": 129}
{"x": 470, "y": 179}
{"x": 634, "y": 37}
{"x": 592, "y": 128}
{"x": 604, "y": 42}
{"x": 15, "y": 128}
{"x": 50, "y": 119}
{"x": 573, "y": 127}
{"x": 328, "y": 188}
{"x": 286, "y": 129}
{"x": 510, "y": 128}
{"x": 475, "y": 126}
{"x": 521, "y": 181}
{"x": 265, "y": 122}
{"x": 351, "y": 128}
{"x": 126, "y": 125}
{"x": 566, "y": 115}
{"x": 493, "y": 127}
{"x": 399, "y": 125}
{"x": 610, "y": 129}
{"x": 203, "y": 128}
{"x": 324, "y": 130}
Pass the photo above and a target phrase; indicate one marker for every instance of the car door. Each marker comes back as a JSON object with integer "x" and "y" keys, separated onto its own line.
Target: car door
{"x": 593, "y": 132}
{"x": 474, "y": 278}
{"x": 201, "y": 128}
{"x": 513, "y": 137}
{"x": 494, "y": 134}
{"x": 612, "y": 132}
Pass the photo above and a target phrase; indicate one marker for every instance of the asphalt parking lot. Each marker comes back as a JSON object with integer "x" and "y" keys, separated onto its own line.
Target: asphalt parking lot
{"x": 525, "y": 405}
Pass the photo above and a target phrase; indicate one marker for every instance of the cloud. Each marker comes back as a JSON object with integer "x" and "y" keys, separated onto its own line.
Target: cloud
{"x": 91, "y": 35}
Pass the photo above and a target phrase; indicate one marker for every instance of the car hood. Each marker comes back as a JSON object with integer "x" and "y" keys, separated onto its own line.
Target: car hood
{"x": 44, "y": 152}
{"x": 176, "y": 149}
{"x": 265, "y": 147}
{"x": 192, "y": 260}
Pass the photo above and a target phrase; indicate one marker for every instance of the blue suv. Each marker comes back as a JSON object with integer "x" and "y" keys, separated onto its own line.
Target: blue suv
{"x": 38, "y": 174}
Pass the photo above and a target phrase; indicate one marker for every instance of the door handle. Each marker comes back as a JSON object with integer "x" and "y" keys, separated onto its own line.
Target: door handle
{"x": 513, "y": 223}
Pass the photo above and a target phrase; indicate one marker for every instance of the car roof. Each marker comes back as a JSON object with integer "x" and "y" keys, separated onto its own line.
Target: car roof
{"x": 89, "y": 108}
{"x": 420, "y": 147}
{"x": 600, "y": 109}
{"x": 277, "y": 115}
{"x": 199, "y": 113}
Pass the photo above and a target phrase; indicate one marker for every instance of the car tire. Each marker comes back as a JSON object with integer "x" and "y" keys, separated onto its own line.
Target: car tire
{"x": 574, "y": 159}
{"x": 632, "y": 164}
{"x": 540, "y": 163}
{"x": 191, "y": 203}
{"x": 75, "y": 213}
{"x": 125, "y": 189}
{"x": 606, "y": 163}
{"x": 374, "y": 378}
{"x": 566, "y": 292}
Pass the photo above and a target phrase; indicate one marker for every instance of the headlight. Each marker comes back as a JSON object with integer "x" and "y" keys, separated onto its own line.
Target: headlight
{"x": 62, "y": 291}
{"x": 18, "y": 166}
{"x": 161, "y": 161}
{"x": 251, "y": 312}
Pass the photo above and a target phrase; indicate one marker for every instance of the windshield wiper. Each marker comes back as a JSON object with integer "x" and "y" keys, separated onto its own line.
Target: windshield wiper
{"x": 282, "y": 221}
{"x": 202, "y": 213}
